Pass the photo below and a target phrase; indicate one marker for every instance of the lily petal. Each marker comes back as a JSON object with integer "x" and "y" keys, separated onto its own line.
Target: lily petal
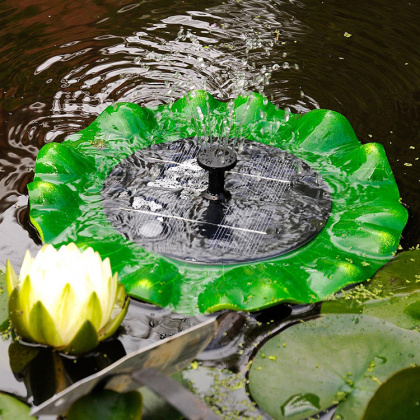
{"x": 85, "y": 340}
{"x": 26, "y": 265}
{"x": 42, "y": 326}
{"x": 111, "y": 327}
{"x": 112, "y": 293}
{"x": 11, "y": 278}
{"x": 120, "y": 295}
{"x": 93, "y": 311}
{"x": 25, "y": 298}
{"x": 66, "y": 314}
{"x": 16, "y": 315}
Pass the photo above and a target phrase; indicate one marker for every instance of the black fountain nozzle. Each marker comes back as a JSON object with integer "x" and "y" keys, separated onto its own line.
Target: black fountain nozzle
{"x": 217, "y": 159}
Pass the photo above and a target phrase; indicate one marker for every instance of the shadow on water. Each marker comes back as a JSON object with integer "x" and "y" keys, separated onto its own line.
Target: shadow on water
{"x": 64, "y": 62}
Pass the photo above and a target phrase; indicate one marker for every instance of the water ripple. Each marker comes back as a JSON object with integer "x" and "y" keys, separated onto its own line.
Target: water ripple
{"x": 61, "y": 68}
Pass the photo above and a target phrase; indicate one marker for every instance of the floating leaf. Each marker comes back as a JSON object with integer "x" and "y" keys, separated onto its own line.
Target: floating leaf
{"x": 361, "y": 235}
{"x": 107, "y": 405}
{"x": 393, "y": 293}
{"x": 13, "y": 409}
{"x": 336, "y": 359}
{"x": 398, "y": 398}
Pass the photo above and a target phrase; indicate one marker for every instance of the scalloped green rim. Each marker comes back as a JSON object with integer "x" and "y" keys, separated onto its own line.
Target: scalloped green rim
{"x": 361, "y": 235}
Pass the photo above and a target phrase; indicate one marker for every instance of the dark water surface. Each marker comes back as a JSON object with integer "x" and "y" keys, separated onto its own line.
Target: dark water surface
{"x": 63, "y": 62}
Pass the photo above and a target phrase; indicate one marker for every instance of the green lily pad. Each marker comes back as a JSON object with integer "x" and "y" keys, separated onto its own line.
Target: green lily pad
{"x": 361, "y": 235}
{"x": 336, "y": 359}
{"x": 4, "y": 299}
{"x": 107, "y": 405}
{"x": 398, "y": 398}
{"x": 393, "y": 293}
{"x": 13, "y": 409}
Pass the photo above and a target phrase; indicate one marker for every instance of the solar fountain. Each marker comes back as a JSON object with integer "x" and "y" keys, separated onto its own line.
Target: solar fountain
{"x": 204, "y": 205}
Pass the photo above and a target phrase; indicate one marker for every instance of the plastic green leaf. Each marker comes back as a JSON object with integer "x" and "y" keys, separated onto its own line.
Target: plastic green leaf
{"x": 398, "y": 398}
{"x": 336, "y": 359}
{"x": 107, "y": 405}
{"x": 393, "y": 293}
{"x": 4, "y": 298}
{"x": 361, "y": 235}
{"x": 13, "y": 409}
{"x": 76, "y": 166}
{"x": 85, "y": 340}
{"x": 54, "y": 206}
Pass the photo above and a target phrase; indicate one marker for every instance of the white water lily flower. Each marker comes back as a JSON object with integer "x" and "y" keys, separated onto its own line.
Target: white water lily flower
{"x": 67, "y": 299}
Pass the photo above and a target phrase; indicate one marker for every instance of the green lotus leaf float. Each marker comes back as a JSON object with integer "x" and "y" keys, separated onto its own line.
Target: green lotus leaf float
{"x": 66, "y": 299}
{"x": 80, "y": 194}
{"x": 334, "y": 360}
{"x": 393, "y": 293}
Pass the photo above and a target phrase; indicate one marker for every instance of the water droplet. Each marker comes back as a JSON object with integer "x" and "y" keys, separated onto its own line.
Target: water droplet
{"x": 286, "y": 113}
{"x": 380, "y": 360}
{"x": 299, "y": 404}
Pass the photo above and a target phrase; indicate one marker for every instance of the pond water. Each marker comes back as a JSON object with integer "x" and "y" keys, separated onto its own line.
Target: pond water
{"x": 64, "y": 62}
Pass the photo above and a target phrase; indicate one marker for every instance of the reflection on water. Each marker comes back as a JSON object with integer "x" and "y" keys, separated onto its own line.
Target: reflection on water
{"x": 63, "y": 62}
